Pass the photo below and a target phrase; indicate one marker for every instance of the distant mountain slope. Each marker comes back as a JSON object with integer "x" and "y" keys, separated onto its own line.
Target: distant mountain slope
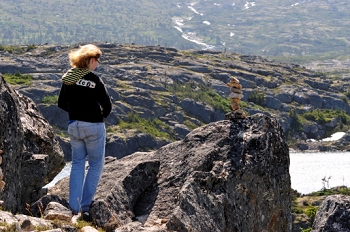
{"x": 269, "y": 28}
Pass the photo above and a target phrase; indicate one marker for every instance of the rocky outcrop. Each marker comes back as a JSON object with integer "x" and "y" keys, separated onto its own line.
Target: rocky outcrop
{"x": 148, "y": 80}
{"x": 30, "y": 153}
{"x": 333, "y": 215}
{"x": 225, "y": 176}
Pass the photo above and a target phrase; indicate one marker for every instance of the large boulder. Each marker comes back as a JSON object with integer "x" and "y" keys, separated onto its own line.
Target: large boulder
{"x": 225, "y": 176}
{"x": 30, "y": 154}
{"x": 333, "y": 215}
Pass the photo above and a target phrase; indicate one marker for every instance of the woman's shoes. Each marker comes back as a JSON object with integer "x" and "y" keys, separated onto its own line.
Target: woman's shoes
{"x": 86, "y": 216}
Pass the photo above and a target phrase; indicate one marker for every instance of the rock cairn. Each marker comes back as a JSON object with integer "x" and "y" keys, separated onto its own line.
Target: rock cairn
{"x": 236, "y": 95}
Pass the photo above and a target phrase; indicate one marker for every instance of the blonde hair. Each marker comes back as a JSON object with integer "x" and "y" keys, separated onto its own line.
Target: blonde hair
{"x": 79, "y": 58}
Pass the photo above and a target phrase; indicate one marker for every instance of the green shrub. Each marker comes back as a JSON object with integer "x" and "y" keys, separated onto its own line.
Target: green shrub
{"x": 306, "y": 230}
{"x": 18, "y": 79}
{"x": 257, "y": 98}
{"x": 17, "y": 49}
{"x": 155, "y": 127}
{"x": 344, "y": 191}
{"x": 8, "y": 227}
{"x": 347, "y": 94}
{"x": 297, "y": 122}
{"x": 190, "y": 124}
{"x": 50, "y": 99}
{"x": 325, "y": 115}
{"x": 200, "y": 93}
{"x": 297, "y": 210}
{"x": 311, "y": 212}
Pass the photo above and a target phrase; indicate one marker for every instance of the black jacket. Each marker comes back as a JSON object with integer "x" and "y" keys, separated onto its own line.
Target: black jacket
{"x": 84, "y": 96}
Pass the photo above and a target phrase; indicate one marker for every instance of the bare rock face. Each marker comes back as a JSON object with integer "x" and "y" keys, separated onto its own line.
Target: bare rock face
{"x": 333, "y": 215}
{"x": 31, "y": 155}
{"x": 225, "y": 176}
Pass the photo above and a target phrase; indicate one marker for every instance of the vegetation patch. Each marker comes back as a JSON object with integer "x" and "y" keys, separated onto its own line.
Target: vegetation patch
{"x": 200, "y": 93}
{"x": 325, "y": 115}
{"x": 50, "y": 99}
{"x": 257, "y": 97}
{"x": 308, "y": 204}
{"x": 18, "y": 79}
{"x": 17, "y": 49}
{"x": 155, "y": 127}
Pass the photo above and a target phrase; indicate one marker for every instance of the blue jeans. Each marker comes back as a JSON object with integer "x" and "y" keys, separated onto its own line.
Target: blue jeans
{"x": 88, "y": 141}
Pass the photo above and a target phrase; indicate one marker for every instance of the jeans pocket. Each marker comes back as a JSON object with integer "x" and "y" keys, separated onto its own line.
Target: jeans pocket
{"x": 95, "y": 132}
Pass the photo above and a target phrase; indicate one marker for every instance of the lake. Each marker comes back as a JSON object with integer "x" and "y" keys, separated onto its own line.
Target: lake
{"x": 306, "y": 169}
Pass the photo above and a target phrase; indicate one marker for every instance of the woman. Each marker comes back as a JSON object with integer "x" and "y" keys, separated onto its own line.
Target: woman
{"x": 84, "y": 96}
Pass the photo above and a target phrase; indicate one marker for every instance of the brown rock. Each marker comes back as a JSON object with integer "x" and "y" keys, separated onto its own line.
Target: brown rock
{"x": 234, "y": 105}
{"x": 234, "y": 85}
{"x": 235, "y": 90}
{"x": 237, "y": 114}
{"x": 57, "y": 211}
{"x": 235, "y": 95}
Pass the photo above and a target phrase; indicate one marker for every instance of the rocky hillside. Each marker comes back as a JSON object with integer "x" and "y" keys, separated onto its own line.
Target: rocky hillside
{"x": 160, "y": 94}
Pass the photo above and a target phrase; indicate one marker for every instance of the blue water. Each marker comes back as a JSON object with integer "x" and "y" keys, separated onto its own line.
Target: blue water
{"x": 306, "y": 169}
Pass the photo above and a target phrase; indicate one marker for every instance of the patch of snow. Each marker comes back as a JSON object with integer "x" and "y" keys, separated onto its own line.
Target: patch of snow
{"x": 178, "y": 28}
{"x": 335, "y": 136}
{"x": 191, "y": 36}
{"x": 232, "y": 34}
{"x": 178, "y": 21}
{"x": 194, "y": 10}
{"x": 295, "y": 4}
{"x": 206, "y": 22}
{"x": 248, "y": 5}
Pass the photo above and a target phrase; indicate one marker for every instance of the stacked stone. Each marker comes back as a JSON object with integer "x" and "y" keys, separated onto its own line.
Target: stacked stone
{"x": 236, "y": 95}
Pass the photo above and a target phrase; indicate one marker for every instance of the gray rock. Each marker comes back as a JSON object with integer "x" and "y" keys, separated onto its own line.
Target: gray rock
{"x": 31, "y": 155}
{"x": 55, "y": 116}
{"x": 200, "y": 110}
{"x": 314, "y": 99}
{"x": 37, "y": 208}
{"x": 219, "y": 172}
{"x": 333, "y": 215}
{"x": 24, "y": 222}
{"x": 247, "y": 84}
{"x": 220, "y": 88}
{"x": 336, "y": 104}
{"x": 113, "y": 94}
{"x": 272, "y": 102}
{"x": 176, "y": 116}
{"x": 317, "y": 84}
{"x": 181, "y": 130}
{"x": 142, "y": 85}
{"x": 333, "y": 123}
{"x": 137, "y": 100}
{"x": 119, "y": 147}
{"x": 286, "y": 96}
{"x": 221, "y": 76}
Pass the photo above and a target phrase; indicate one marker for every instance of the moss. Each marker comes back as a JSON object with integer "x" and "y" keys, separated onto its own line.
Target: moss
{"x": 200, "y": 93}
{"x": 50, "y": 99}
{"x": 18, "y": 79}
{"x": 155, "y": 127}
